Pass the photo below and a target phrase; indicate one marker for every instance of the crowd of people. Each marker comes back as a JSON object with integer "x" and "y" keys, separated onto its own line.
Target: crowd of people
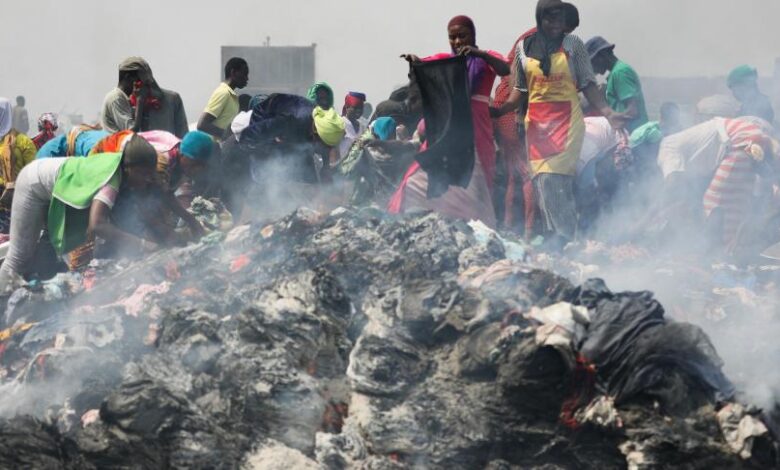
{"x": 554, "y": 152}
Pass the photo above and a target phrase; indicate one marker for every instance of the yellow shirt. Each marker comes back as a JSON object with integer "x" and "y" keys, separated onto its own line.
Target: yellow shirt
{"x": 23, "y": 151}
{"x": 223, "y": 105}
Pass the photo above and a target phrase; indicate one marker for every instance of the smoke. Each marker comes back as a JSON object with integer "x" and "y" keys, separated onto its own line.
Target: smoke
{"x": 651, "y": 244}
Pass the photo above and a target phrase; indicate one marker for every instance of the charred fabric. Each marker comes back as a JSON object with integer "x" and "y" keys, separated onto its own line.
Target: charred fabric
{"x": 353, "y": 340}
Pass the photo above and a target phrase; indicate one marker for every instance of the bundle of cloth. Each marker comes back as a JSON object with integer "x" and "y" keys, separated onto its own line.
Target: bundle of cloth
{"x": 376, "y": 163}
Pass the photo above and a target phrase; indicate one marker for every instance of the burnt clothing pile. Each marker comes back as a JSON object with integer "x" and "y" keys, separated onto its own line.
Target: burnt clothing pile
{"x": 353, "y": 340}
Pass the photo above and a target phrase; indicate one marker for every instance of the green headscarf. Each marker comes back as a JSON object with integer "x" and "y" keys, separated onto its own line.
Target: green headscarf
{"x": 742, "y": 74}
{"x": 312, "y": 94}
{"x": 75, "y": 188}
{"x": 649, "y": 133}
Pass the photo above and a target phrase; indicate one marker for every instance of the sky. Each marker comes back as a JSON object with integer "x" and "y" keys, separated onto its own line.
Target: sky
{"x": 63, "y": 54}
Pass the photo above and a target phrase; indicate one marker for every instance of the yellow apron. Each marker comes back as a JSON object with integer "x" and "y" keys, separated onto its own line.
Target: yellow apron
{"x": 554, "y": 123}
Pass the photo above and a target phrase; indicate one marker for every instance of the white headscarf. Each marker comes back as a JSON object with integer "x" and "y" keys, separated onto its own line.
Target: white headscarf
{"x": 6, "y": 116}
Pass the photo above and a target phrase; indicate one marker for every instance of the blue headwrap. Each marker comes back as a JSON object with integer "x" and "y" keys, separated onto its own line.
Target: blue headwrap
{"x": 383, "y": 127}
{"x": 197, "y": 145}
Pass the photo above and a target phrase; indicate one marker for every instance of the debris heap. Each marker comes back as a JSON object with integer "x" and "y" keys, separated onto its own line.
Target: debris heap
{"x": 348, "y": 340}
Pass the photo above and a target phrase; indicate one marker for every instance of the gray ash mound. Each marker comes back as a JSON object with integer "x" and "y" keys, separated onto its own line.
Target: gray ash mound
{"x": 347, "y": 340}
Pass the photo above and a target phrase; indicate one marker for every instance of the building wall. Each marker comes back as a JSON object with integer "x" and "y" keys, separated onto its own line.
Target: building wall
{"x": 275, "y": 69}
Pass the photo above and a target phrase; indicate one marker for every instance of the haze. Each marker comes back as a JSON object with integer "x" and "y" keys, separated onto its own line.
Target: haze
{"x": 63, "y": 55}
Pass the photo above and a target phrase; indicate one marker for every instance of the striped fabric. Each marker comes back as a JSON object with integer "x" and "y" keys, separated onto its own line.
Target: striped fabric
{"x": 731, "y": 189}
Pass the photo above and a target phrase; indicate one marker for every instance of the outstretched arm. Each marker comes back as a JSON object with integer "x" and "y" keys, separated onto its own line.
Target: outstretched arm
{"x": 100, "y": 225}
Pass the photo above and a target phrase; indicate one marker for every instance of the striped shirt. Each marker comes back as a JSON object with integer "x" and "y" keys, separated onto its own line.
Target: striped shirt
{"x": 732, "y": 187}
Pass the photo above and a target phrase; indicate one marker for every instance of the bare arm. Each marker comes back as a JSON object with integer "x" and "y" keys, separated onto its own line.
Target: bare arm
{"x": 101, "y": 226}
{"x": 632, "y": 108}
{"x": 516, "y": 98}
{"x": 597, "y": 100}
{"x": 206, "y": 124}
{"x": 173, "y": 204}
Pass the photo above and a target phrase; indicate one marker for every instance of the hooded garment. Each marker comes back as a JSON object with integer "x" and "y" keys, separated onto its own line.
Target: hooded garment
{"x": 144, "y": 71}
{"x": 312, "y": 93}
{"x": 6, "y": 116}
{"x": 477, "y": 66}
{"x": 330, "y": 126}
{"x": 538, "y": 46}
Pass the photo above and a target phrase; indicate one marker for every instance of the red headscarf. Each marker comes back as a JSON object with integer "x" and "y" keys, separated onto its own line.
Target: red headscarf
{"x": 352, "y": 100}
{"x": 465, "y": 21}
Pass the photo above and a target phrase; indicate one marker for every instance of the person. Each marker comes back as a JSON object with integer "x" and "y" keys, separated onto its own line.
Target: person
{"x": 354, "y": 126}
{"x": 552, "y": 66}
{"x": 624, "y": 89}
{"x": 78, "y": 142}
{"x": 139, "y": 104}
{"x": 601, "y": 149}
{"x": 288, "y": 138}
{"x": 475, "y": 201}
{"x": 698, "y": 151}
{"x": 73, "y": 197}
{"x": 670, "y": 121}
{"x": 16, "y": 151}
{"x": 376, "y": 163}
{"x": 321, "y": 94}
{"x": 223, "y": 106}
{"x": 181, "y": 163}
{"x": 47, "y": 129}
{"x": 330, "y": 130}
{"x": 743, "y": 82}
{"x": 510, "y": 136}
{"x": 21, "y": 121}
{"x": 154, "y": 213}
{"x": 715, "y": 167}
{"x": 405, "y": 106}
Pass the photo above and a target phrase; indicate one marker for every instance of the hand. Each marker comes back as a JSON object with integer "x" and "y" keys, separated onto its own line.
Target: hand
{"x": 495, "y": 113}
{"x": 470, "y": 51}
{"x": 618, "y": 121}
{"x": 411, "y": 58}
{"x": 139, "y": 89}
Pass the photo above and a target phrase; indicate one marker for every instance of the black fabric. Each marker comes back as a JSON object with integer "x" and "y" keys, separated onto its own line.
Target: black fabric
{"x": 278, "y": 142}
{"x": 280, "y": 117}
{"x": 634, "y": 348}
{"x": 449, "y": 158}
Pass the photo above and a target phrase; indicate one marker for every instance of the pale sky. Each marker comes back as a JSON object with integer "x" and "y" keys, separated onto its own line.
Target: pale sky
{"x": 63, "y": 54}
